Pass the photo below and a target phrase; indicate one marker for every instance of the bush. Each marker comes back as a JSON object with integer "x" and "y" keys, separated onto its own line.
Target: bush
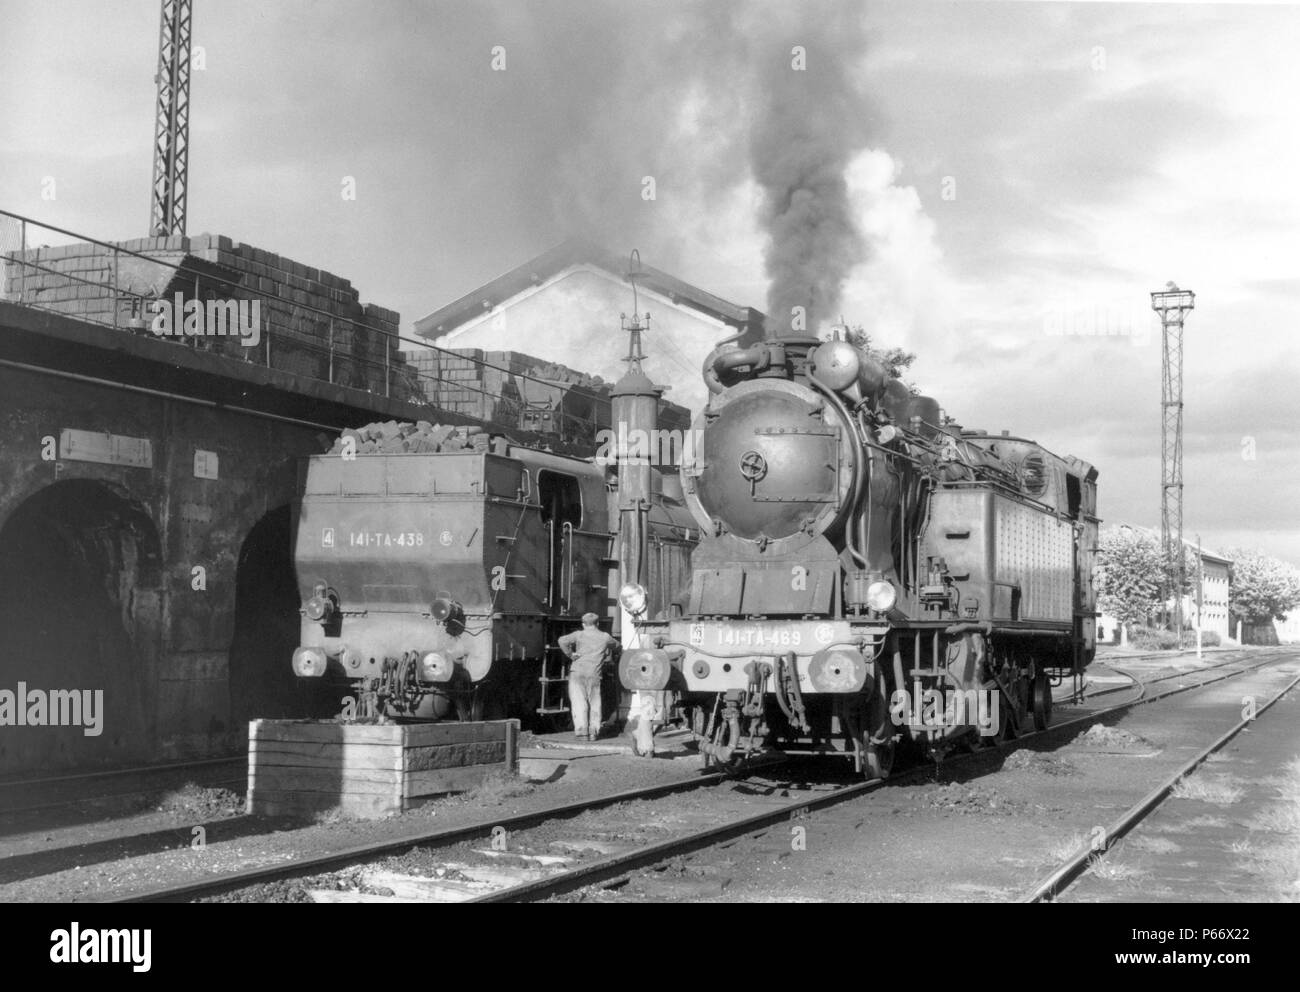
{"x": 1150, "y": 639}
{"x": 1209, "y": 639}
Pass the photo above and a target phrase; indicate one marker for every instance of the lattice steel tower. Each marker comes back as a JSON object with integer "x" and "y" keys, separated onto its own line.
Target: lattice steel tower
{"x": 1172, "y": 304}
{"x": 171, "y": 145}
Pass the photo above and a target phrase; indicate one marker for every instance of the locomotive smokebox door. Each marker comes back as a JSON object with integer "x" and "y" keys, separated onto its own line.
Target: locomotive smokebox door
{"x": 770, "y": 463}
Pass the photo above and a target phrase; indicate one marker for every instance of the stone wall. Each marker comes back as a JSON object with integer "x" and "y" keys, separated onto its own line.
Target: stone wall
{"x": 313, "y": 322}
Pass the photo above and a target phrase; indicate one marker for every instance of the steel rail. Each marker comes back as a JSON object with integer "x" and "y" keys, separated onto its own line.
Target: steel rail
{"x": 1061, "y": 879}
{"x": 1236, "y": 656}
{"x": 106, "y": 796}
{"x": 614, "y": 866}
{"x": 362, "y": 853}
{"x": 14, "y": 783}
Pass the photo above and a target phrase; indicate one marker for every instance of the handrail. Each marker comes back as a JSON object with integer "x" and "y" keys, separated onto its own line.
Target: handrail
{"x": 567, "y": 422}
{"x": 567, "y": 533}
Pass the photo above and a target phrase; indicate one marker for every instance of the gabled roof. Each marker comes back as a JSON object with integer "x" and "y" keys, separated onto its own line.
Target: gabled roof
{"x": 576, "y": 251}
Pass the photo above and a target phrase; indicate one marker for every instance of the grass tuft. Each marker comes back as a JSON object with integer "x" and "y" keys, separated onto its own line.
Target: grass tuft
{"x": 1220, "y": 792}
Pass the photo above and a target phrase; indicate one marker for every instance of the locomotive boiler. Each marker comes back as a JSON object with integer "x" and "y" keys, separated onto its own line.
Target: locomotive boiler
{"x": 869, "y": 572}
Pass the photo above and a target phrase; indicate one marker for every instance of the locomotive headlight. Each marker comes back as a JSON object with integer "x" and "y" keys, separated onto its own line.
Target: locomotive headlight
{"x": 881, "y": 596}
{"x": 444, "y": 608}
{"x": 321, "y": 604}
{"x": 633, "y": 599}
{"x": 435, "y": 667}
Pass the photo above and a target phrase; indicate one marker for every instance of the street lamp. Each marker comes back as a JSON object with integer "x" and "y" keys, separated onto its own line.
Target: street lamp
{"x": 1200, "y": 598}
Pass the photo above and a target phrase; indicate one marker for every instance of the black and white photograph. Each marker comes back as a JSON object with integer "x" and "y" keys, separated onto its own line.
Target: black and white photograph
{"x": 614, "y": 452}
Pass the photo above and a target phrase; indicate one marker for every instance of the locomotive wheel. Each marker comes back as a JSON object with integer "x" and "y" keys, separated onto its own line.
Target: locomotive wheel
{"x": 1042, "y": 699}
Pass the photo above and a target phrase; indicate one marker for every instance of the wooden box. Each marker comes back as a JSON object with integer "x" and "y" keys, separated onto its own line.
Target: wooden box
{"x": 302, "y": 767}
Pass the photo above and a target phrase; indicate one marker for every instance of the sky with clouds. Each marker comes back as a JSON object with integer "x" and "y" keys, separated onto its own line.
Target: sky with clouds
{"x": 1021, "y": 175}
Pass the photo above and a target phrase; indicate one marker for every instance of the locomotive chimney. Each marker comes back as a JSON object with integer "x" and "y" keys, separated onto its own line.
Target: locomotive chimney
{"x": 791, "y": 337}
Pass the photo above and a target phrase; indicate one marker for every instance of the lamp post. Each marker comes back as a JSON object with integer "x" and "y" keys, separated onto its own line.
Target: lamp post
{"x": 1200, "y": 599}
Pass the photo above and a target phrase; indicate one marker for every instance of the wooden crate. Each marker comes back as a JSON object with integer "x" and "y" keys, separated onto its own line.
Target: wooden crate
{"x": 301, "y": 767}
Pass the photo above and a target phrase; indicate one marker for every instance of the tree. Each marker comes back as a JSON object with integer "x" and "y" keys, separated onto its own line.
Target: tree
{"x": 1261, "y": 589}
{"x": 1130, "y": 568}
{"x": 895, "y": 360}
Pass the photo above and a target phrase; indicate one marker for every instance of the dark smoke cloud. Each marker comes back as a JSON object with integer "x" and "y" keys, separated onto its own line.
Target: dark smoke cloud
{"x": 810, "y": 125}
{"x": 597, "y": 96}
{"x": 703, "y": 97}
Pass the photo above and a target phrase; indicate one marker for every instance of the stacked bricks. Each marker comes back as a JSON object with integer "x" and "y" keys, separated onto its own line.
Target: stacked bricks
{"x": 491, "y": 386}
{"x": 499, "y": 386}
{"x": 306, "y": 313}
{"x": 78, "y": 279}
{"x": 394, "y": 437}
{"x": 459, "y": 382}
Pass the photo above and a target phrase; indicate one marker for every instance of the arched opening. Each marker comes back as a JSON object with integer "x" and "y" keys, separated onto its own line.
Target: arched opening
{"x": 262, "y": 683}
{"x": 80, "y": 597}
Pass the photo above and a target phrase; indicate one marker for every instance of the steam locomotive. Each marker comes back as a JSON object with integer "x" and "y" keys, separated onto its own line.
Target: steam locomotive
{"x": 438, "y": 569}
{"x": 870, "y": 574}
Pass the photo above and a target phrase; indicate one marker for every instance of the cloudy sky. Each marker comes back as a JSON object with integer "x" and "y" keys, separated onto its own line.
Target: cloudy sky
{"x": 1012, "y": 178}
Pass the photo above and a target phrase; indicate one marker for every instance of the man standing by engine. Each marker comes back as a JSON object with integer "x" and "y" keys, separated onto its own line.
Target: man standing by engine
{"x": 587, "y": 649}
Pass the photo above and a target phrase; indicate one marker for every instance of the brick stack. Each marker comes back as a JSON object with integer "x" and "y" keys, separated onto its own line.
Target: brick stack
{"x": 304, "y": 310}
{"x": 459, "y": 381}
{"x": 78, "y": 279}
{"x": 516, "y": 390}
{"x": 393, "y": 437}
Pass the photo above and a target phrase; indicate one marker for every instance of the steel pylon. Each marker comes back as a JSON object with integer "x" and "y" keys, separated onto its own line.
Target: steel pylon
{"x": 1172, "y": 304}
{"x": 171, "y": 147}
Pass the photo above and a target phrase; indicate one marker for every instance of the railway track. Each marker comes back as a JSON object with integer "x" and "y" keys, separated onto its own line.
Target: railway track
{"x": 363, "y": 853}
{"x": 623, "y": 864}
{"x": 1073, "y": 867}
{"x": 550, "y": 877}
{"x": 76, "y": 782}
{"x": 1143, "y": 683}
{"x": 81, "y": 788}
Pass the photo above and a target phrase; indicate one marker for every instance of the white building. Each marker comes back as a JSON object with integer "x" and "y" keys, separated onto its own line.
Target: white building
{"x": 564, "y": 305}
{"x": 1213, "y": 594}
{"x": 1213, "y": 614}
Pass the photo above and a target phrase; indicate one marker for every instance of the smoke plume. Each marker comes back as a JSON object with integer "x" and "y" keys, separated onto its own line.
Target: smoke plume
{"x": 810, "y": 125}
